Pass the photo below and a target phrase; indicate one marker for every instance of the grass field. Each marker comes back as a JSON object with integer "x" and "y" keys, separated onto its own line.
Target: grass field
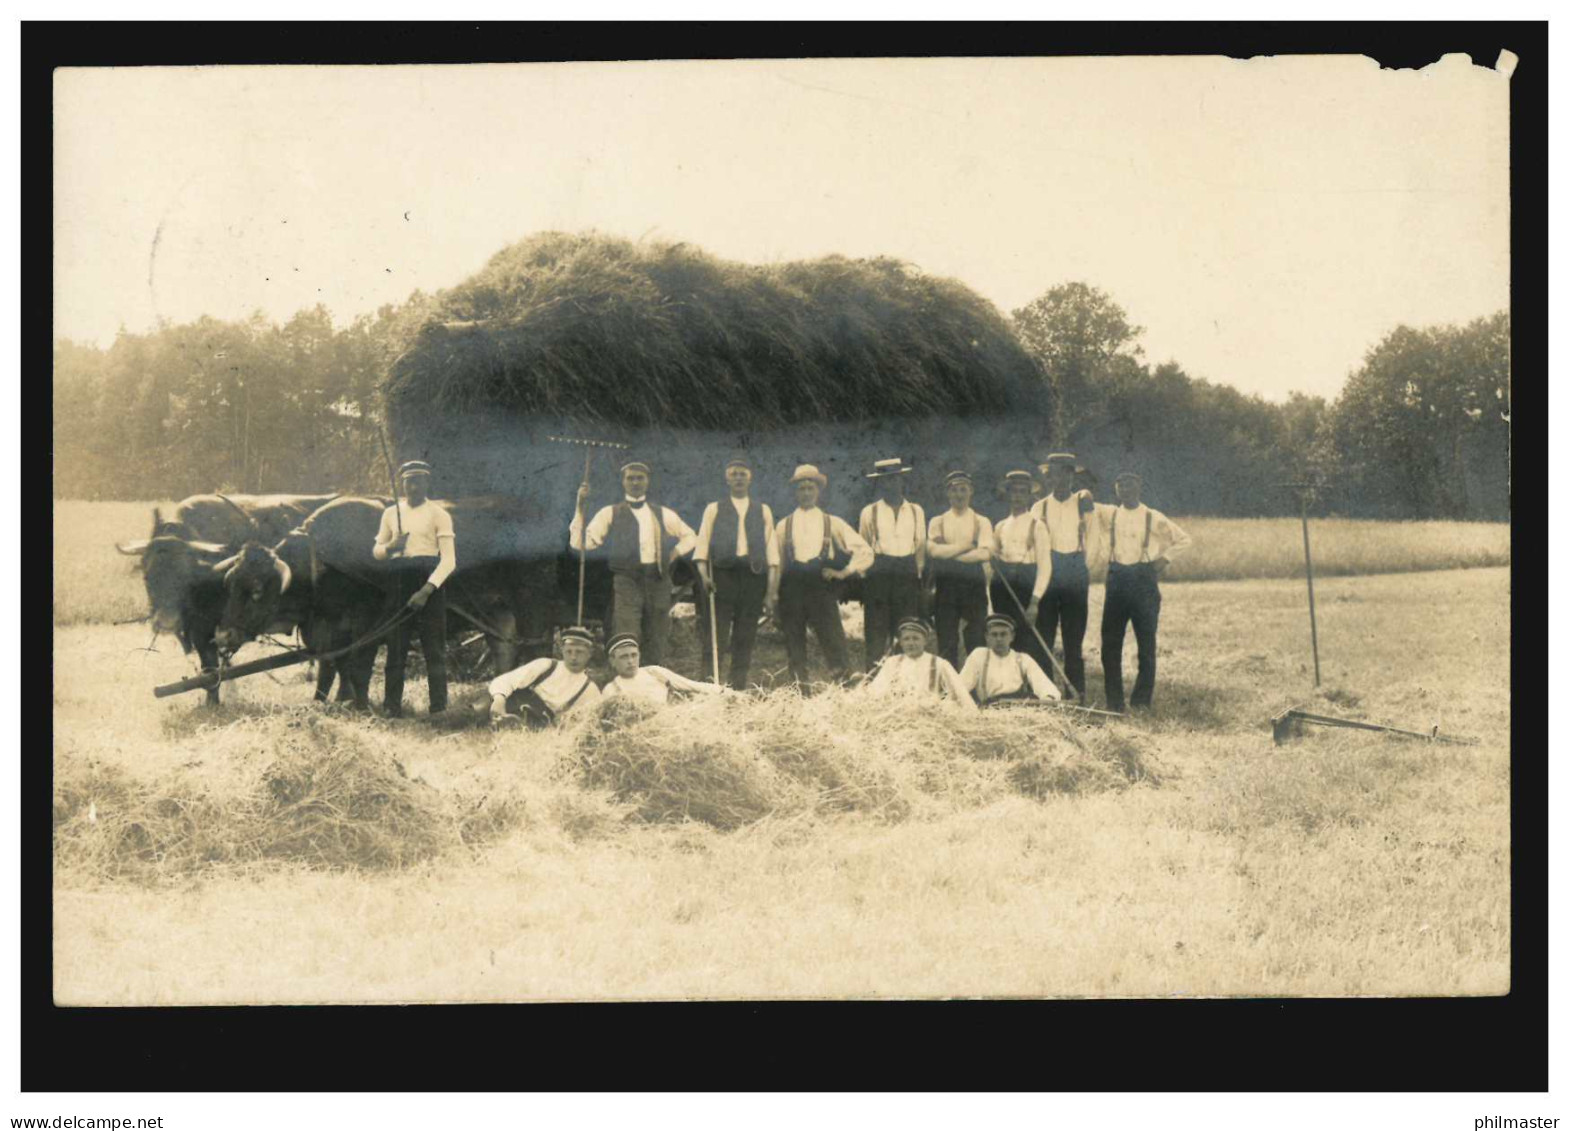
{"x": 1347, "y": 863}
{"x": 96, "y": 584}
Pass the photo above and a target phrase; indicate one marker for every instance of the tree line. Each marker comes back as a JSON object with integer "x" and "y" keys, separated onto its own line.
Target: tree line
{"x": 1420, "y": 430}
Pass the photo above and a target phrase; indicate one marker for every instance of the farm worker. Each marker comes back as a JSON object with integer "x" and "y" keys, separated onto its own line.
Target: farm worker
{"x": 738, "y": 556}
{"x": 996, "y": 673}
{"x": 818, "y": 549}
{"x": 912, "y": 670}
{"x": 1020, "y": 556}
{"x": 651, "y": 682}
{"x": 895, "y": 528}
{"x": 545, "y": 690}
{"x": 1066, "y": 516}
{"x": 645, "y": 539}
{"x": 1142, "y": 542}
{"x": 416, "y": 536}
{"x": 959, "y": 544}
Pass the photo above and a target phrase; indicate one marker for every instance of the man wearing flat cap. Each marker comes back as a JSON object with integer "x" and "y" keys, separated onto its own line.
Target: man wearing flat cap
{"x": 997, "y": 673}
{"x": 417, "y": 538}
{"x": 1021, "y": 567}
{"x": 632, "y": 679}
{"x": 1141, "y": 543}
{"x": 644, "y": 540}
{"x": 546, "y": 690}
{"x": 895, "y": 529}
{"x": 816, "y": 549}
{"x": 959, "y": 547}
{"x": 1066, "y": 516}
{"x": 914, "y": 671}
{"x": 738, "y": 556}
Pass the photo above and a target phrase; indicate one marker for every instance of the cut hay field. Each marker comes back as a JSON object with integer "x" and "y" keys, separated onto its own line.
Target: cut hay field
{"x": 95, "y": 584}
{"x": 269, "y": 851}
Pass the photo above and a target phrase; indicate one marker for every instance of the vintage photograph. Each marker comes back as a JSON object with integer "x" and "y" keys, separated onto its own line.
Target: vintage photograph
{"x": 781, "y": 529}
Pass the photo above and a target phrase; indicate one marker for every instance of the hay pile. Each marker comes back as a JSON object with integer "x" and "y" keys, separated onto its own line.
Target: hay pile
{"x": 729, "y": 762}
{"x": 293, "y": 785}
{"x": 688, "y": 357}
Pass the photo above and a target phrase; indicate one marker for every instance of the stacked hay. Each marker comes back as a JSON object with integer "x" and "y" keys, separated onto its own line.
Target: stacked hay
{"x": 689, "y": 358}
{"x": 730, "y": 761}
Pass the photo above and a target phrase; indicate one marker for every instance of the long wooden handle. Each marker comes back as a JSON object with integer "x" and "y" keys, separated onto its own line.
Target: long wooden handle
{"x": 582, "y": 545}
{"x": 1069, "y": 690}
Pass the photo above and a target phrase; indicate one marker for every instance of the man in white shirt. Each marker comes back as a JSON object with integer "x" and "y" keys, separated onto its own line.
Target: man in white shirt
{"x": 1141, "y": 543}
{"x": 997, "y": 673}
{"x": 651, "y": 683}
{"x": 643, "y": 540}
{"x": 417, "y": 537}
{"x": 959, "y": 546}
{"x": 895, "y": 529}
{"x": 1021, "y": 557}
{"x": 817, "y": 550}
{"x": 914, "y": 671}
{"x": 1065, "y": 515}
{"x": 544, "y": 691}
{"x": 738, "y": 556}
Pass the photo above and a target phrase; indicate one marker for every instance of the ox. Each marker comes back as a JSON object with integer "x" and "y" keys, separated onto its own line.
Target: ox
{"x": 323, "y": 577}
{"x": 185, "y": 597}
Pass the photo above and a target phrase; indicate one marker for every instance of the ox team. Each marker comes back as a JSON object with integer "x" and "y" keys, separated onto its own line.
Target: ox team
{"x": 992, "y": 586}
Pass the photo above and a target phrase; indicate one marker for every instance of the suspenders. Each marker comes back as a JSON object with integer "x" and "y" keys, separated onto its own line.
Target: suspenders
{"x": 1046, "y": 510}
{"x": 828, "y": 537}
{"x": 1149, "y": 518}
{"x": 920, "y": 526}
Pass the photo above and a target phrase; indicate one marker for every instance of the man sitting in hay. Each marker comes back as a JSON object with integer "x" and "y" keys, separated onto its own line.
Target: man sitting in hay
{"x": 997, "y": 674}
{"x": 652, "y": 683}
{"x": 915, "y": 671}
{"x": 544, "y": 691}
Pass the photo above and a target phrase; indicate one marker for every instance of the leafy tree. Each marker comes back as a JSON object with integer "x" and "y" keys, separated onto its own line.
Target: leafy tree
{"x": 1081, "y": 340}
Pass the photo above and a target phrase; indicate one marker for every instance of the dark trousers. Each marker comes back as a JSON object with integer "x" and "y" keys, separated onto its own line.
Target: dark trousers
{"x": 960, "y": 598}
{"x": 431, "y": 624}
{"x": 738, "y": 602}
{"x": 805, "y": 599}
{"x": 1132, "y": 594}
{"x": 891, "y": 592}
{"x": 1022, "y": 577}
{"x": 640, "y": 604}
{"x": 1067, "y": 601}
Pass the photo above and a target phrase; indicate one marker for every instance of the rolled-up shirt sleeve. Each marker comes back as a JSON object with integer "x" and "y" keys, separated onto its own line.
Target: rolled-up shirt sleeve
{"x": 705, "y": 532}
{"x": 1042, "y": 559}
{"x": 598, "y": 527}
{"x": 446, "y": 546}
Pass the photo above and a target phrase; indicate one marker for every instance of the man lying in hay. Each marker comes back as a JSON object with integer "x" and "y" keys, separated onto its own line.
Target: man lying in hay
{"x": 998, "y": 674}
{"x": 543, "y": 692}
{"x": 651, "y": 683}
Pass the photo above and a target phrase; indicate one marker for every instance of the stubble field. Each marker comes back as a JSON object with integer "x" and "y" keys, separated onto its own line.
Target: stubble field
{"x": 843, "y": 850}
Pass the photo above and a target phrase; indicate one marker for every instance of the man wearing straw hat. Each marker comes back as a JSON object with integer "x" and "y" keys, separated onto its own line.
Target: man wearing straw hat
{"x": 416, "y": 536}
{"x": 1066, "y": 516}
{"x": 738, "y": 557}
{"x": 544, "y": 691}
{"x": 644, "y": 540}
{"x": 913, "y": 670}
{"x": 1142, "y": 542}
{"x": 1018, "y": 546}
{"x": 997, "y": 673}
{"x": 650, "y": 683}
{"x": 895, "y": 529}
{"x": 816, "y": 550}
{"x": 959, "y": 544}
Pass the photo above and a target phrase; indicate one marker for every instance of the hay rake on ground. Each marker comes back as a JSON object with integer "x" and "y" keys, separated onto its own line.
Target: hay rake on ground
{"x": 1288, "y": 725}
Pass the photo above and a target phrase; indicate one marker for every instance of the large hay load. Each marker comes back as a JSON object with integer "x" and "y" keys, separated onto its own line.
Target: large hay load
{"x": 689, "y": 359}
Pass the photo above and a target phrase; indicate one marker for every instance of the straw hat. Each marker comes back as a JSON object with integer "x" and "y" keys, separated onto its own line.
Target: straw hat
{"x": 808, "y": 471}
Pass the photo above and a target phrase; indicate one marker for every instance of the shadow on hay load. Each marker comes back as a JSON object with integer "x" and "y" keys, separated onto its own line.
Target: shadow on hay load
{"x": 688, "y": 359}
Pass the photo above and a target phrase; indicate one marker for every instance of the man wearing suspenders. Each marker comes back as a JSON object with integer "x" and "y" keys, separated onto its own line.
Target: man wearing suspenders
{"x": 895, "y": 529}
{"x": 1019, "y": 546}
{"x": 543, "y": 691}
{"x": 959, "y": 544}
{"x": 644, "y": 541}
{"x": 816, "y": 549}
{"x": 1064, "y": 513}
{"x": 417, "y": 538}
{"x": 1142, "y": 543}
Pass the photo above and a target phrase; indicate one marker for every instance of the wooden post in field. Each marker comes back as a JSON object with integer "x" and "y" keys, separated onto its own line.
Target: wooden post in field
{"x": 1303, "y": 490}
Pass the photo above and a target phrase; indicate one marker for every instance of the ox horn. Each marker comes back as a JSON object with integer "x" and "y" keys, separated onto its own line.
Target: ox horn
{"x": 208, "y": 547}
{"x": 132, "y": 548}
{"x": 286, "y": 573}
{"x": 226, "y": 565}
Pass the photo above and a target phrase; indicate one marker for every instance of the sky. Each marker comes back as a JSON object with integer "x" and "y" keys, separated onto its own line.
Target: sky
{"x": 1266, "y": 221}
